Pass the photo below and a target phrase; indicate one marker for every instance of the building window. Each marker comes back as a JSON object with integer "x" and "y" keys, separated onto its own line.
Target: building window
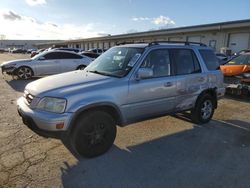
{"x": 212, "y": 44}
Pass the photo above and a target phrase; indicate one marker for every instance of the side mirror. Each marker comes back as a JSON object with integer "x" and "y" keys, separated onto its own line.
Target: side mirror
{"x": 144, "y": 73}
{"x": 41, "y": 58}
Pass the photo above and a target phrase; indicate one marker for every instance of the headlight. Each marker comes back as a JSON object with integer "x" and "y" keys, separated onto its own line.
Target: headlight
{"x": 8, "y": 65}
{"x": 51, "y": 104}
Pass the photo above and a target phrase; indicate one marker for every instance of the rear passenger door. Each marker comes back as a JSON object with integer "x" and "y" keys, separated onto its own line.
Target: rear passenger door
{"x": 155, "y": 95}
{"x": 69, "y": 61}
{"x": 189, "y": 77}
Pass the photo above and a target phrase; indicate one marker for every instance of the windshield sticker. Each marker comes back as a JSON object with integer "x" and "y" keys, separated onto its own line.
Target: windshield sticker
{"x": 134, "y": 59}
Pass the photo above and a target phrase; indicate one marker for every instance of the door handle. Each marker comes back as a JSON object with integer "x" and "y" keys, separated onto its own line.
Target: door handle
{"x": 168, "y": 84}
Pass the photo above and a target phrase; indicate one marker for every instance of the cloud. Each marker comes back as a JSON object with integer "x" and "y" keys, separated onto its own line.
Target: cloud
{"x": 161, "y": 20}
{"x": 141, "y": 19}
{"x": 31, "y": 28}
{"x": 36, "y": 2}
{"x": 11, "y": 16}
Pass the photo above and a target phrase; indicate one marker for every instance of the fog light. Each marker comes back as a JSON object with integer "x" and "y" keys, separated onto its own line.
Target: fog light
{"x": 60, "y": 125}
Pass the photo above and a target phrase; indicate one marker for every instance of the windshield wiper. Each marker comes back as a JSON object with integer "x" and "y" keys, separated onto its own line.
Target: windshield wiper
{"x": 97, "y": 72}
{"x": 103, "y": 73}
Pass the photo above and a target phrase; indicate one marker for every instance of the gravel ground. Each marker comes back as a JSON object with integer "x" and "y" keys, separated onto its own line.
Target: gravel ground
{"x": 164, "y": 152}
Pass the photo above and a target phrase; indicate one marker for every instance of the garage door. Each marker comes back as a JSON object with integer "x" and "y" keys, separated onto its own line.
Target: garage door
{"x": 239, "y": 41}
{"x": 194, "y": 39}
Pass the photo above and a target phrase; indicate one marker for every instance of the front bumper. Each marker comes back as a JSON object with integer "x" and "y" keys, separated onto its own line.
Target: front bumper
{"x": 8, "y": 70}
{"x": 42, "y": 121}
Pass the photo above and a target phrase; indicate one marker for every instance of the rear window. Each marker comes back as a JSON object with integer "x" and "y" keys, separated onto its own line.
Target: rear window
{"x": 210, "y": 59}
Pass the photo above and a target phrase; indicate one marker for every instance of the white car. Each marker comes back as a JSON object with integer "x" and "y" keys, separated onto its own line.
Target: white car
{"x": 46, "y": 63}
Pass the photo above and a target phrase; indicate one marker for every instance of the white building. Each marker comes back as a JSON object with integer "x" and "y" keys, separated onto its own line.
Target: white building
{"x": 234, "y": 35}
{"x": 23, "y": 44}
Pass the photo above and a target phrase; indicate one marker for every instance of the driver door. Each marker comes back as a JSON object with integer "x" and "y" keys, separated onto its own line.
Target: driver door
{"x": 155, "y": 95}
{"x": 48, "y": 64}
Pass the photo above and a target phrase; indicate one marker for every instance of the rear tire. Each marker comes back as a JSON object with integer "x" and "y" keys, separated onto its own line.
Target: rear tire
{"x": 203, "y": 110}
{"x": 94, "y": 134}
{"x": 24, "y": 73}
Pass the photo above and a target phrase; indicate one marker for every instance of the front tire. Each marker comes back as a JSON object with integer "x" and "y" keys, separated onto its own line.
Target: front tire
{"x": 204, "y": 109}
{"x": 24, "y": 73}
{"x": 94, "y": 134}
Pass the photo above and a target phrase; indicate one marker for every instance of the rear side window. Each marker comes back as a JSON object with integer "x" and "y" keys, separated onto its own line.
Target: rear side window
{"x": 210, "y": 59}
{"x": 70, "y": 56}
{"x": 62, "y": 55}
{"x": 185, "y": 62}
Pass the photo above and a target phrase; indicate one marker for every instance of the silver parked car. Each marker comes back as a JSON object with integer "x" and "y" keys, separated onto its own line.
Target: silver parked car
{"x": 126, "y": 84}
{"x": 46, "y": 63}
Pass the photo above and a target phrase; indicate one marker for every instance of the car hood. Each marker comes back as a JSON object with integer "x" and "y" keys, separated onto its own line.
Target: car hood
{"x": 19, "y": 61}
{"x": 63, "y": 84}
{"x": 233, "y": 70}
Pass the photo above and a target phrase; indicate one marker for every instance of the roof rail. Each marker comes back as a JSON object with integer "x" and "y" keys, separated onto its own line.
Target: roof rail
{"x": 123, "y": 43}
{"x": 176, "y": 42}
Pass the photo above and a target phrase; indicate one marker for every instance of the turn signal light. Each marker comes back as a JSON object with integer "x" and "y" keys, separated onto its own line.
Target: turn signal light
{"x": 60, "y": 125}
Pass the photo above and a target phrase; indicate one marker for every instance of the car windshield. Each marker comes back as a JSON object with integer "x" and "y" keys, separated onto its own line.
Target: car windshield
{"x": 39, "y": 55}
{"x": 117, "y": 61}
{"x": 240, "y": 60}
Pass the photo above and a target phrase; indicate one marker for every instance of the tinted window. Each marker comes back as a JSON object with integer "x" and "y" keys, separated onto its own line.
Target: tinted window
{"x": 62, "y": 55}
{"x": 185, "y": 62}
{"x": 210, "y": 59}
{"x": 159, "y": 62}
{"x": 52, "y": 55}
{"x": 92, "y": 55}
{"x": 70, "y": 56}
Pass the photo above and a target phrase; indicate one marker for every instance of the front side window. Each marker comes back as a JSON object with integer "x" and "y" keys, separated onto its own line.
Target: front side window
{"x": 117, "y": 61}
{"x": 159, "y": 62}
{"x": 52, "y": 55}
{"x": 185, "y": 62}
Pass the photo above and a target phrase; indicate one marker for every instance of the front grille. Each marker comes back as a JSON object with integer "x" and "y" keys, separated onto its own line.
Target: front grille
{"x": 28, "y": 97}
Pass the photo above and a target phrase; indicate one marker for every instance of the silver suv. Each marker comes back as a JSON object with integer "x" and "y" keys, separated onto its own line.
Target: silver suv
{"x": 126, "y": 84}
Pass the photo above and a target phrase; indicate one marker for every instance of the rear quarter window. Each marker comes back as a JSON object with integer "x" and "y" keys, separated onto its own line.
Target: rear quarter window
{"x": 210, "y": 59}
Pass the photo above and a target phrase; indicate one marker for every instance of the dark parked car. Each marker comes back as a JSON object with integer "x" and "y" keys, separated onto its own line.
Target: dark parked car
{"x": 96, "y": 50}
{"x": 76, "y": 50}
{"x": 19, "y": 50}
{"x": 2, "y": 50}
{"x": 221, "y": 57}
{"x": 90, "y": 54}
{"x": 37, "y": 52}
{"x": 241, "y": 52}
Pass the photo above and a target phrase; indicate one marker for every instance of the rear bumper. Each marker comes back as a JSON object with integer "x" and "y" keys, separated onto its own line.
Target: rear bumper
{"x": 221, "y": 92}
